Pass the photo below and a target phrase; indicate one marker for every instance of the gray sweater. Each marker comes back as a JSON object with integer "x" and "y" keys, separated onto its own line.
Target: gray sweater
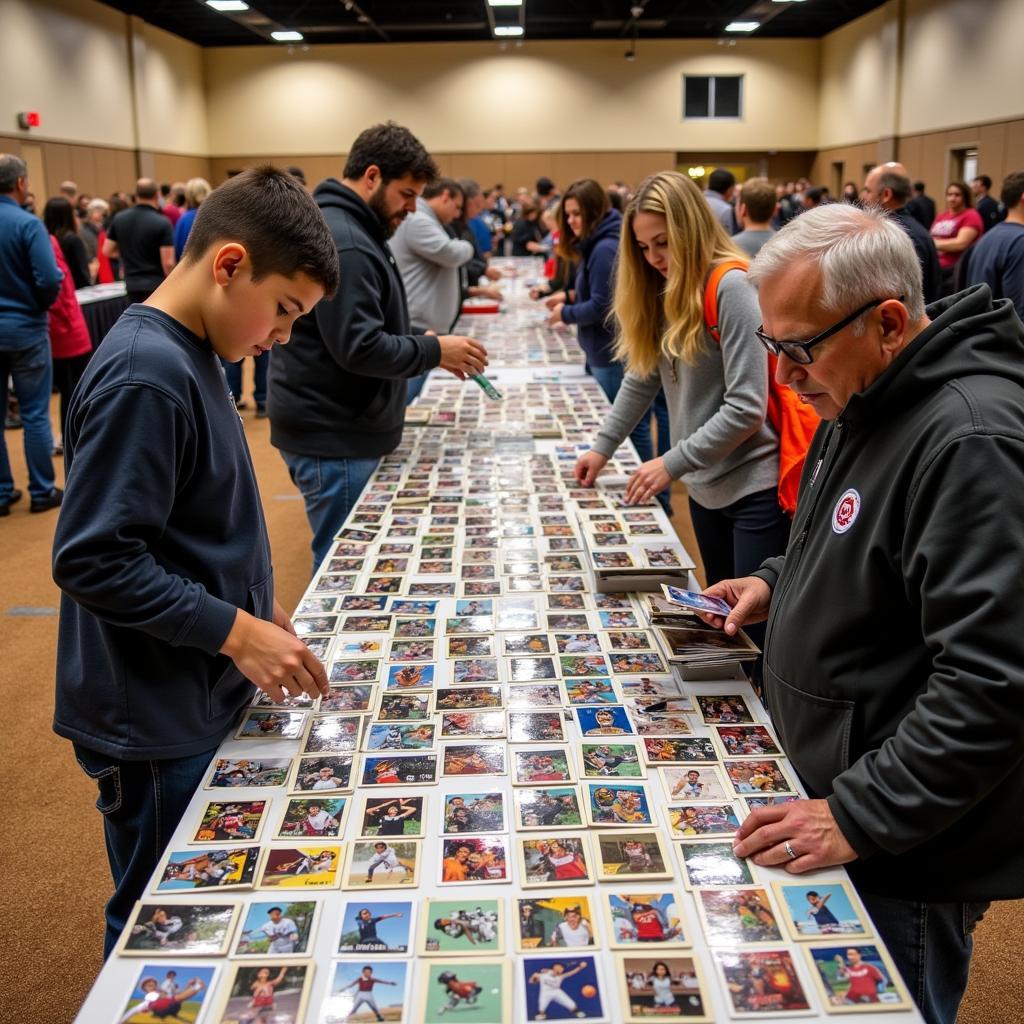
{"x": 429, "y": 259}
{"x": 722, "y": 448}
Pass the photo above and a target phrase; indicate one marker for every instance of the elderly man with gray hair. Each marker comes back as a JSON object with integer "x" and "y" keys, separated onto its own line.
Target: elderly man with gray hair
{"x": 894, "y": 653}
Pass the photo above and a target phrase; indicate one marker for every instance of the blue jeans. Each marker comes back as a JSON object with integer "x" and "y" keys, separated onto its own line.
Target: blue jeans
{"x": 329, "y": 487}
{"x": 141, "y": 803}
{"x": 413, "y": 387}
{"x": 32, "y": 371}
{"x": 233, "y": 372}
{"x": 931, "y": 945}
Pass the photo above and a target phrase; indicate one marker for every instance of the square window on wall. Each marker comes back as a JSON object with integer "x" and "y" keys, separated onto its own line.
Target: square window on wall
{"x": 708, "y": 97}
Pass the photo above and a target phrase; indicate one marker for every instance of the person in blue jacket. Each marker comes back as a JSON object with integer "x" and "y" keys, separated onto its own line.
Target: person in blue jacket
{"x": 589, "y": 230}
{"x": 168, "y": 614}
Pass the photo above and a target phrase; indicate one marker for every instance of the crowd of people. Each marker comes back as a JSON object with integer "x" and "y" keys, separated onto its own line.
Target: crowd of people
{"x": 697, "y": 309}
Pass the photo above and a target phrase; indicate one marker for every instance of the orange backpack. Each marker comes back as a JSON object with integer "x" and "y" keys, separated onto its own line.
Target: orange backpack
{"x": 794, "y": 422}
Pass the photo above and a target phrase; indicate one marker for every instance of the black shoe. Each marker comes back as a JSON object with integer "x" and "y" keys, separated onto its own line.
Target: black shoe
{"x": 12, "y": 422}
{"x": 5, "y": 507}
{"x": 261, "y": 410}
{"x": 241, "y": 403}
{"x": 52, "y": 500}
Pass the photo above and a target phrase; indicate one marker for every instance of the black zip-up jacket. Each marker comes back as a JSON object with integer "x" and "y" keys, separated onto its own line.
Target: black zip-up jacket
{"x": 894, "y": 656}
{"x": 337, "y": 389}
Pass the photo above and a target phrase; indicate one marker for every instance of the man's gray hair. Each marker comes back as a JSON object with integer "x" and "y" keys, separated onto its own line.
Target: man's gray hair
{"x": 862, "y": 255}
{"x": 470, "y": 188}
{"x": 11, "y": 169}
{"x": 898, "y": 184}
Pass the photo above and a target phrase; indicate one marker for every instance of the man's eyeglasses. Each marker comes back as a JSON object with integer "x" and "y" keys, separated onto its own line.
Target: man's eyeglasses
{"x": 800, "y": 351}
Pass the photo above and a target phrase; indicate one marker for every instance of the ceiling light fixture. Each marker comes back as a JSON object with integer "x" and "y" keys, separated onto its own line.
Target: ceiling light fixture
{"x": 288, "y": 36}
{"x": 509, "y": 30}
{"x": 505, "y": 3}
{"x": 225, "y": 6}
{"x": 742, "y": 26}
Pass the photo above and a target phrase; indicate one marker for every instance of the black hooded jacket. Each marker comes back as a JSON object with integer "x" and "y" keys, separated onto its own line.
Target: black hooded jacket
{"x": 894, "y": 656}
{"x": 337, "y": 389}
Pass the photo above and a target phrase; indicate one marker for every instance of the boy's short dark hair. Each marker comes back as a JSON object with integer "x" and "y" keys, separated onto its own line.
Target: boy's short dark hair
{"x": 395, "y": 150}
{"x": 449, "y": 185}
{"x": 275, "y": 218}
{"x": 545, "y": 186}
{"x": 1013, "y": 189}
{"x": 985, "y": 180}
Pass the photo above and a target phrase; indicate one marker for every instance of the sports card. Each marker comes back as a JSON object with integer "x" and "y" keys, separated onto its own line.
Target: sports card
{"x": 179, "y": 929}
{"x": 271, "y": 725}
{"x": 474, "y": 860}
{"x": 532, "y": 766}
{"x": 743, "y": 915}
{"x": 601, "y": 759}
{"x": 450, "y": 927}
{"x": 822, "y": 910}
{"x": 566, "y": 922}
{"x": 373, "y": 926}
{"x": 168, "y": 991}
{"x": 276, "y": 990}
{"x": 655, "y": 985}
{"x": 278, "y": 928}
{"x": 713, "y": 864}
{"x": 562, "y": 988}
{"x": 761, "y": 983}
{"x": 248, "y": 773}
{"x": 685, "y": 785}
{"x": 322, "y": 774}
{"x": 696, "y": 602}
{"x": 473, "y": 812}
{"x": 465, "y": 759}
{"x": 702, "y": 821}
{"x": 555, "y": 859}
{"x": 230, "y": 821}
{"x": 313, "y": 817}
{"x": 382, "y": 863}
{"x": 853, "y": 978}
{"x": 478, "y": 992}
{"x": 385, "y": 816}
{"x": 398, "y": 770}
{"x": 373, "y": 990}
{"x": 639, "y": 855}
{"x": 643, "y": 920}
{"x": 222, "y": 868}
{"x": 316, "y": 866}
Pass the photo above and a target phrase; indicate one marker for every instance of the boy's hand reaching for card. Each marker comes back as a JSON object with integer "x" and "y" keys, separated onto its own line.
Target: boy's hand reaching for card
{"x": 271, "y": 656}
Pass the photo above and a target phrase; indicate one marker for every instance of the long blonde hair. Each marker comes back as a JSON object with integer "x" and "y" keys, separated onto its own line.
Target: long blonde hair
{"x": 658, "y": 317}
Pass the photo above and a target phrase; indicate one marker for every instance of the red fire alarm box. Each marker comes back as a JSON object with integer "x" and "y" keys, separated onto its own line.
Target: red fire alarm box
{"x": 29, "y": 119}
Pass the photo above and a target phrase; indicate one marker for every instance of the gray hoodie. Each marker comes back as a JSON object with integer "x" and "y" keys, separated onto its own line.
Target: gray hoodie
{"x": 429, "y": 259}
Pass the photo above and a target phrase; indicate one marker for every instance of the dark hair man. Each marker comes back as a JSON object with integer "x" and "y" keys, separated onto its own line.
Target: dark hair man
{"x": 142, "y": 238}
{"x": 337, "y": 393}
{"x": 998, "y": 258}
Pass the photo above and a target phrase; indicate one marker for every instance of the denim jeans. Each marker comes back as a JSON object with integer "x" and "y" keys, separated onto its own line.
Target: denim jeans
{"x": 233, "y": 372}
{"x": 329, "y": 487}
{"x": 931, "y": 945}
{"x": 32, "y": 371}
{"x": 141, "y": 803}
{"x": 413, "y": 387}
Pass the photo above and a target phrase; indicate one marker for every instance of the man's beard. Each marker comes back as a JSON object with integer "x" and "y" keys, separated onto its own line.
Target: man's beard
{"x": 388, "y": 220}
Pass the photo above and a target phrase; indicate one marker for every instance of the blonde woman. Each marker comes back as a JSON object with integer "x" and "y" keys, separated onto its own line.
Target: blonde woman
{"x": 717, "y": 392}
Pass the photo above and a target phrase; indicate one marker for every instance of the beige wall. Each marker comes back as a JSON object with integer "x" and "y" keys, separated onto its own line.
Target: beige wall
{"x": 963, "y": 63}
{"x": 470, "y": 97}
{"x": 858, "y": 79}
{"x": 68, "y": 59}
{"x": 172, "y": 104}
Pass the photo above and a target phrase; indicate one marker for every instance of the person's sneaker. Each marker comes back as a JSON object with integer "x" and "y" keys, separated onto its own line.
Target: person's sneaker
{"x": 261, "y": 410}
{"x": 58, "y": 448}
{"x": 241, "y": 403}
{"x": 52, "y": 500}
{"x": 5, "y": 506}
{"x": 12, "y": 421}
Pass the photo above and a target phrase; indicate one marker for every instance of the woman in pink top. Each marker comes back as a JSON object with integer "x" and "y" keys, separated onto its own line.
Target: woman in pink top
{"x": 954, "y": 231}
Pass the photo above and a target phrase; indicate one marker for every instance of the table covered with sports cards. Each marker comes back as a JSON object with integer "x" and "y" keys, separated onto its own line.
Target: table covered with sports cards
{"x": 517, "y": 801}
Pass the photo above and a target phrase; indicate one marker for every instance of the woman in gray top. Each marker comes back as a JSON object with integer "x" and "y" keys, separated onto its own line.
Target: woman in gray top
{"x": 722, "y": 449}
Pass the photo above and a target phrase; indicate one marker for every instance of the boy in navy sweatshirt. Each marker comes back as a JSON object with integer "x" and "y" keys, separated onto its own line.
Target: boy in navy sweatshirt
{"x": 168, "y": 615}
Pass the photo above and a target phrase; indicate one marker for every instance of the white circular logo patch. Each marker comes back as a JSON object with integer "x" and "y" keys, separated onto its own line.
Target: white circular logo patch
{"x": 846, "y": 511}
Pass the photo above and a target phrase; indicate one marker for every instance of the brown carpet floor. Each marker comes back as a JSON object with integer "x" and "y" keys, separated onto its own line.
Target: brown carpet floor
{"x": 56, "y": 878}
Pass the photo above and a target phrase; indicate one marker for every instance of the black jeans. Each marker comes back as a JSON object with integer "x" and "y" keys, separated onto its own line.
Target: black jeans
{"x": 931, "y": 945}
{"x": 141, "y": 803}
{"x": 66, "y": 375}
